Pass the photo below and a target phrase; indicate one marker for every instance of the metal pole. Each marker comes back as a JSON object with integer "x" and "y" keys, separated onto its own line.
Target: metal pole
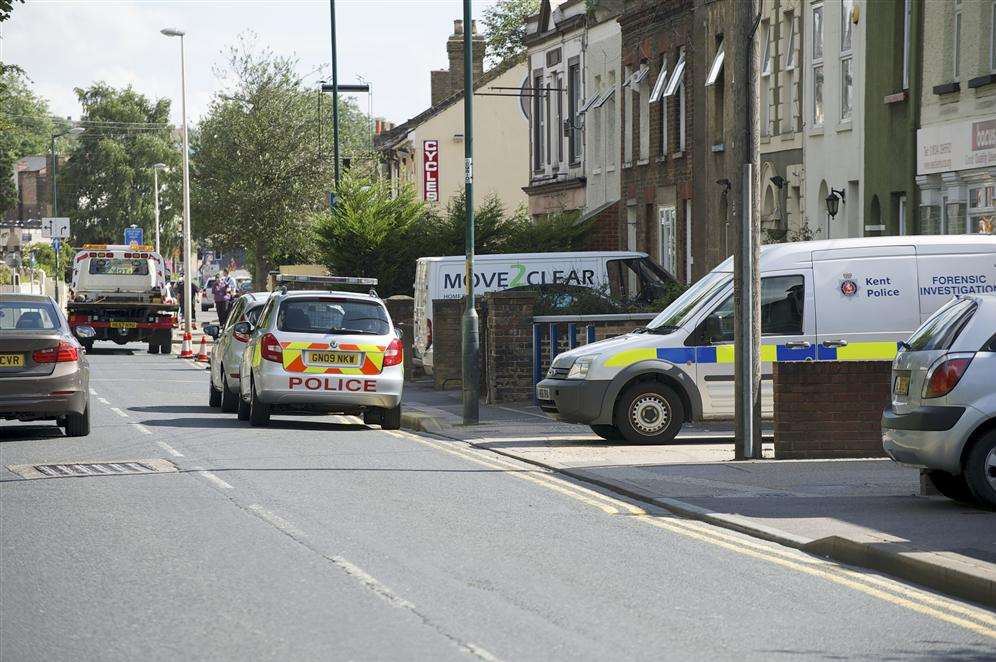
{"x": 188, "y": 273}
{"x": 321, "y": 94}
{"x": 335, "y": 97}
{"x": 55, "y": 211}
{"x": 471, "y": 330}
{"x": 155, "y": 197}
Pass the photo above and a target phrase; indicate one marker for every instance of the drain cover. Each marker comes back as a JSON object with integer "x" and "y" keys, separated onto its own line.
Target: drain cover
{"x": 78, "y": 469}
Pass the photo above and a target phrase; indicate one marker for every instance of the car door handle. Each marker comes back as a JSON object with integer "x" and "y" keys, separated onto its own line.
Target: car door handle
{"x": 840, "y": 342}
{"x": 798, "y": 344}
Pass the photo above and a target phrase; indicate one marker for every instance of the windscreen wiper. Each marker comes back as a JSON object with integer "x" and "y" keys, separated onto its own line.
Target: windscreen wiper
{"x": 341, "y": 331}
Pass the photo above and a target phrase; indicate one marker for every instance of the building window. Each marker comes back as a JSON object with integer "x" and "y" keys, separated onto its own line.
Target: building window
{"x": 767, "y": 117}
{"x": 573, "y": 108}
{"x": 676, "y": 87}
{"x": 609, "y": 108}
{"x": 643, "y": 108}
{"x": 716, "y": 70}
{"x": 846, "y": 34}
{"x": 718, "y": 84}
{"x": 956, "y": 37}
{"x": 657, "y": 94}
{"x": 627, "y": 108}
{"x": 681, "y": 117}
{"x": 547, "y": 129}
{"x": 982, "y": 210}
{"x": 538, "y": 128}
{"x": 559, "y": 128}
{"x": 846, "y": 61}
{"x": 668, "y": 217}
{"x": 992, "y": 39}
{"x": 790, "y": 40}
{"x": 907, "y": 10}
{"x": 817, "y": 65}
{"x": 788, "y": 123}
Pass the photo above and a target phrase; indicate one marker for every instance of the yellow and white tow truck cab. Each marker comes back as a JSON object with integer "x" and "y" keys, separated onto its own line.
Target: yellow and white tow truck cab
{"x": 836, "y": 300}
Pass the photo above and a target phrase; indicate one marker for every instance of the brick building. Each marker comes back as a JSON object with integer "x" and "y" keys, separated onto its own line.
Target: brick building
{"x": 34, "y": 189}
{"x": 656, "y": 180}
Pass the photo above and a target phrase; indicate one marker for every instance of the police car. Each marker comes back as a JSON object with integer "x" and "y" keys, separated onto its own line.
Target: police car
{"x": 835, "y": 300}
{"x": 322, "y": 351}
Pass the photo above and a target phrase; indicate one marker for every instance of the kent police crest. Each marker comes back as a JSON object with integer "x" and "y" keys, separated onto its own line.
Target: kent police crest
{"x": 848, "y": 287}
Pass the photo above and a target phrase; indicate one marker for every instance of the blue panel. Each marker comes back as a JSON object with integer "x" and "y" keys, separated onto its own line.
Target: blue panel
{"x": 826, "y": 353}
{"x": 784, "y": 353}
{"x": 676, "y": 354}
{"x": 705, "y": 354}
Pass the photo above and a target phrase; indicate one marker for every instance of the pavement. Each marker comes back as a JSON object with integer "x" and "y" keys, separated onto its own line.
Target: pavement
{"x": 864, "y": 512}
{"x": 322, "y": 538}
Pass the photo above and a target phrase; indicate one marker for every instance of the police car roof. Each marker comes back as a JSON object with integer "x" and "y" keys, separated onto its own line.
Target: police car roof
{"x": 323, "y": 293}
{"x": 793, "y": 254}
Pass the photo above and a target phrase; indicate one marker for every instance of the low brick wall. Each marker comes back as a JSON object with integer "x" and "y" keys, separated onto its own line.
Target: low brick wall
{"x": 447, "y": 367}
{"x": 830, "y": 409}
{"x": 509, "y": 358}
{"x": 402, "y": 311}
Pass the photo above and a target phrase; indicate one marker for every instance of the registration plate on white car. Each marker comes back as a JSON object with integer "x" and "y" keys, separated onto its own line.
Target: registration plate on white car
{"x": 333, "y": 358}
{"x": 543, "y": 393}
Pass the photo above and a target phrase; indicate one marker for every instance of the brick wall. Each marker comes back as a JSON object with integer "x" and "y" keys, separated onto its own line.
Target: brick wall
{"x": 402, "y": 311}
{"x": 830, "y": 409}
{"x": 447, "y": 365}
{"x": 509, "y": 341}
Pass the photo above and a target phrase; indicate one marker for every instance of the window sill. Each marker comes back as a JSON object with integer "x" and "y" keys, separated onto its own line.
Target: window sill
{"x": 947, "y": 88}
{"x": 787, "y": 136}
{"x": 627, "y": 164}
{"x": 765, "y": 140}
{"x": 643, "y": 162}
{"x": 816, "y": 131}
{"x": 844, "y": 126}
{"x": 980, "y": 81}
{"x": 661, "y": 159}
{"x": 596, "y": 171}
{"x": 677, "y": 155}
{"x": 610, "y": 168}
{"x": 898, "y": 97}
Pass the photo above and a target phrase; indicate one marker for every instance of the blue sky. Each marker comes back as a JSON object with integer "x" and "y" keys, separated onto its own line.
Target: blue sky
{"x": 67, "y": 43}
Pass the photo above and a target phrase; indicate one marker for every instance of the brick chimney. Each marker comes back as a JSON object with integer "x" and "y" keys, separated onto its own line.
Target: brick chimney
{"x": 445, "y": 82}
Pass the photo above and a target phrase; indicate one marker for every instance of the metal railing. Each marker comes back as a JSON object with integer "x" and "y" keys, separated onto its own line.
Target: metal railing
{"x": 552, "y": 323}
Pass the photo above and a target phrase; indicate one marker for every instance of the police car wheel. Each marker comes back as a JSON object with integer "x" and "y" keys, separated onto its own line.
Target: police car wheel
{"x": 608, "y": 432}
{"x": 214, "y": 395}
{"x": 229, "y": 400}
{"x": 649, "y": 413}
{"x": 372, "y": 416}
{"x": 390, "y": 419}
{"x": 242, "y": 407}
{"x": 259, "y": 412}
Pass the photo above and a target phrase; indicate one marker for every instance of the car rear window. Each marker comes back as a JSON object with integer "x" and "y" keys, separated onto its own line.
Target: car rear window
{"x": 27, "y": 316}
{"x": 941, "y": 329}
{"x": 117, "y": 266}
{"x": 327, "y": 315}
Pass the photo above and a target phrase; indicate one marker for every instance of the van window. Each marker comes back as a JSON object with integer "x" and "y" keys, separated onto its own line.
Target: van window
{"x": 942, "y": 328}
{"x": 637, "y": 278}
{"x": 781, "y": 310}
{"x": 685, "y": 306}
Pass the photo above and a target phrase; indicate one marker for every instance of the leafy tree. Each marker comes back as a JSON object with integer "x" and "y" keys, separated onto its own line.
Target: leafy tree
{"x": 107, "y": 183}
{"x": 373, "y": 233}
{"x": 505, "y": 26}
{"x": 45, "y": 258}
{"x": 258, "y": 176}
{"x": 6, "y": 8}
{"x": 25, "y": 130}
{"x": 491, "y": 227}
{"x": 553, "y": 232}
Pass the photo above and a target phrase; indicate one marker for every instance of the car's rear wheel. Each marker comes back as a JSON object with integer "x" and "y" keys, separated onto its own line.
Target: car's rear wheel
{"x": 980, "y": 470}
{"x": 214, "y": 395}
{"x": 153, "y": 348}
{"x": 78, "y": 425}
{"x": 390, "y": 419}
{"x": 242, "y": 408}
{"x": 166, "y": 348}
{"x": 608, "y": 432}
{"x": 259, "y": 411}
{"x": 952, "y": 486}
{"x": 649, "y": 413}
{"x": 372, "y": 416}
{"x": 229, "y": 400}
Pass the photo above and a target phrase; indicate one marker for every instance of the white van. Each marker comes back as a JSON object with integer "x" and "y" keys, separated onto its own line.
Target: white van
{"x": 622, "y": 275}
{"x": 836, "y": 300}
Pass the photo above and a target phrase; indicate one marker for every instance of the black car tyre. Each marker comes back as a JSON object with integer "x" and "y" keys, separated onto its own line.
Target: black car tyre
{"x": 372, "y": 416}
{"x": 166, "y": 348}
{"x": 608, "y": 432}
{"x": 952, "y": 486}
{"x": 214, "y": 395}
{"x": 980, "y": 470}
{"x": 204, "y": 308}
{"x": 259, "y": 412}
{"x": 153, "y": 348}
{"x": 242, "y": 408}
{"x": 229, "y": 400}
{"x": 390, "y": 419}
{"x": 649, "y": 413}
{"x": 78, "y": 425}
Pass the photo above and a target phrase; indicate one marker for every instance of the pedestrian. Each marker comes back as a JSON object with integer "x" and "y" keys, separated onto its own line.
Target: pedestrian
{"x": 222, "y": 292}
{"x": 181, "y": 291}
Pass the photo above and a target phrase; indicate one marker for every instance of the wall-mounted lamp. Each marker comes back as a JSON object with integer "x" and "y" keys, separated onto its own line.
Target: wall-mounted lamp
{"x": 833, "y": 201}
{"x": 779, "y": 181}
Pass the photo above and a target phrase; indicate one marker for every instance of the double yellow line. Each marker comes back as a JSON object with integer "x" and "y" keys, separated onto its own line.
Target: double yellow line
{"x": 950, "y": 611}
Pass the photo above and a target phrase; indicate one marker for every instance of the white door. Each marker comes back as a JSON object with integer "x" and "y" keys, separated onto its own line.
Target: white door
{"x": 866, "y": 300}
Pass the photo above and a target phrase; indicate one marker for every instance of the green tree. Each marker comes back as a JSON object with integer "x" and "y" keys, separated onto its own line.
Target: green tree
{"x": 492, "y": 227}
{"x": 505, "y": 26}
{"x": 45, "y": 258}
{"x": 25, "y": 130}
{"x": 107, "y": 183}
{"x": 258, "y": 176}
{"x": 375, "y": 234}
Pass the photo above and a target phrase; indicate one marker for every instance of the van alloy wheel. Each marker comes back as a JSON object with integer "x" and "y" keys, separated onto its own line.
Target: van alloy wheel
{"x": 650, "y": 414}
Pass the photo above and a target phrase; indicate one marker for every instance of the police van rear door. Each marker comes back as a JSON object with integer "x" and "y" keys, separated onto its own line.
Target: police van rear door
{"x": 867, "y": 299}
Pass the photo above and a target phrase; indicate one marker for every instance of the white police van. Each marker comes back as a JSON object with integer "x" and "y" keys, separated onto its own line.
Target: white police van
{"x": 836, "y": 300}
{"x": 622, "y": 275}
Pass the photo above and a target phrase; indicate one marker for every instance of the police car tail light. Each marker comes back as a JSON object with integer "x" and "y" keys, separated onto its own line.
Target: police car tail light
{"x": 65, "y": 352}
{"x": 395, "y": 354}
{"x": 269, "y": 348}
{"x": 945, "y": 375}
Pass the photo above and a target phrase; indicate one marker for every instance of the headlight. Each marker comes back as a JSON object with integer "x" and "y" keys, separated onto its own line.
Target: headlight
{"x": 580, "y": 368}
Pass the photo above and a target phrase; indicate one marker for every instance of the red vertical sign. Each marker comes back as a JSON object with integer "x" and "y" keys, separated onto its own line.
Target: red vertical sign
{"x": 430, "y": 170}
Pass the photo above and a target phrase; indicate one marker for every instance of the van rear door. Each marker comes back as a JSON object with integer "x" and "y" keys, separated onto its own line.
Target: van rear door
{"x": 867, "y": 299}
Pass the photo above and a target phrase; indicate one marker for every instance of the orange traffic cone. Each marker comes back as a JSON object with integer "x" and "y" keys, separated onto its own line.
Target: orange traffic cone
{"x": 202, "y": 355}
{"x": 186, "y": 352}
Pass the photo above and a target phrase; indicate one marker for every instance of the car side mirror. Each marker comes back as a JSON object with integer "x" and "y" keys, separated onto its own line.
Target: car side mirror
{"x": 85, "y": 331}
{"x": 212, "y": 330}
{"x": 244, "y": 328}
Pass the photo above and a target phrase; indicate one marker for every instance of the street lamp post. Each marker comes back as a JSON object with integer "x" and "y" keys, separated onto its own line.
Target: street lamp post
{"x": 75, "y": 131}
{"x": 471, "y": 323}
{"x": 155, "y": 186}
{"x": 187, "y": 271}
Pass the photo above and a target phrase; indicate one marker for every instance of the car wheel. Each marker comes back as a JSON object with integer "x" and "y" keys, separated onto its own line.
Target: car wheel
{"x": 166, "y": 348}
{"x": 229, "y": 400}
{"x": 608, "y": 432}
{"x": 204, "y": 308}
{"x": 980, "y": 470}
{"x": 78, "y": 425}
{"x": 952, "y": 486}
{"x": 242, "y": 408}
{"x": 259, "y": 412}
{"x": 214, "y": 395}
{"x": 153, "y": 348}
{"x": 649, "y": 413}
{"x": 372, "y": 416}
{"x": 390, "y": 419}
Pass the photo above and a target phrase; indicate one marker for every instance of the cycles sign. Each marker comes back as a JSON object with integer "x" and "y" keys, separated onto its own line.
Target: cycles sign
{"x": 430, "y": 170}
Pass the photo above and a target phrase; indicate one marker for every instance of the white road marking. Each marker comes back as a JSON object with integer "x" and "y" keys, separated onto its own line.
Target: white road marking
{"x": 119, "y": 412}
{"x": 277, "y": 521}
{"x": 175, "y": 453}
{"x": 141, "y": 428}
{"x": 214, "y": 479}
{"x": 474, "y": 649}
{"x": 103, "y": 401}
{"x": 371, "y": 583}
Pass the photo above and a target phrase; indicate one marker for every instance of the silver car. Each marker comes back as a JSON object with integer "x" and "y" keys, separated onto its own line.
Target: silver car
{"x": 226, "y": 352}
{"x": 44, "y": 373}
{"x": 943, "y": 411}
{"x": 322, "y": 352}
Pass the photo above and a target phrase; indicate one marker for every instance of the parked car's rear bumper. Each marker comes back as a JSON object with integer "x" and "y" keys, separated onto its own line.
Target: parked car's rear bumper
{"x": 932, "y": 437}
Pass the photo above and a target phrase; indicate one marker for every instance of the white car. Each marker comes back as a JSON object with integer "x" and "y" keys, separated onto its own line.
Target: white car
{"x": 226, "y": 352}
{"x": 322, "y": 352}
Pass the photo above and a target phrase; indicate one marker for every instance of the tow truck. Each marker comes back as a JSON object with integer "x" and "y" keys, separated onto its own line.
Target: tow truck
{"x": 121, "y": 292}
